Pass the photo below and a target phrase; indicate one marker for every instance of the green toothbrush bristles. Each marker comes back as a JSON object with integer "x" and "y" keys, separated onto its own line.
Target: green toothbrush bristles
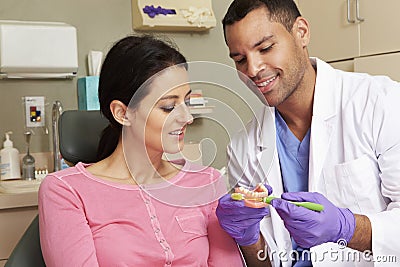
{"x": 237, "y": 196}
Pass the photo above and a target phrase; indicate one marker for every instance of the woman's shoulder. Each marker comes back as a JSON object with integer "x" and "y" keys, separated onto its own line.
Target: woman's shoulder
{"x": 64, "y": 178}
{"x": 78, "y": 169}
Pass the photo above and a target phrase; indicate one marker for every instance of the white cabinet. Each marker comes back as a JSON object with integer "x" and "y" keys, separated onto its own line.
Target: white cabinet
{"x": 337, "y": 34}
{"x": 332, "y": 37}
{"x": 385, "y": 64}
{"x": 379, "y": 30}
{"x": 17, "y": 210}
{"x": 355, "y": 35}
{"x": 346, "y": 65}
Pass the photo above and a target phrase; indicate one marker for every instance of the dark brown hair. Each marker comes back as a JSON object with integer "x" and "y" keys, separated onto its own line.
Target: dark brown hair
{"x": 129, "y": 63}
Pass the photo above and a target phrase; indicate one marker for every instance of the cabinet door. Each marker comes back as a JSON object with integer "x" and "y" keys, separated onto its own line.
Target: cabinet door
{"x": 346, "y": 65}
{"x": 13, "y": 223}
{"x": 379, "y": 32}
{"x": 332, "y": 36}
{"x": 387, "y": 64}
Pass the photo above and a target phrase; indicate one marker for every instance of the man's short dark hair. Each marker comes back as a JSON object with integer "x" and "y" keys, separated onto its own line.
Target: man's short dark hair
{"x": 283, "y": 11}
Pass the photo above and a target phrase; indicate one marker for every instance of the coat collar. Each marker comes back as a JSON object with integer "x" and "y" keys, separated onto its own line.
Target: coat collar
{"x": 325, "y": 93}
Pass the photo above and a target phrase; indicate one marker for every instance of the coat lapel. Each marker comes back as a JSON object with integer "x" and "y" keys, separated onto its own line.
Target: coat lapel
{"x": 321, "y": 132}
{"x": 267, "y": 156}
{"x": 326, "y": 95}
{"x": 273, "y": 229}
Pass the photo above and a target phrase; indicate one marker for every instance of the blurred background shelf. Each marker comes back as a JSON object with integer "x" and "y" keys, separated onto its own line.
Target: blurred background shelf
{"x": 174, "y": 22}
{"x": 201, "y": 109}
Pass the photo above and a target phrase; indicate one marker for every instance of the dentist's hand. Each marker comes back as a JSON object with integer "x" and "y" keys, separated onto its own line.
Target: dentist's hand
{"x": 240, "y": 222}
{"x": 310, "y": 228}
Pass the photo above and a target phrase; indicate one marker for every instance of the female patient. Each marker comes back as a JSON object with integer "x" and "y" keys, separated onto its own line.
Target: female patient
{"x": 107, "y": 213}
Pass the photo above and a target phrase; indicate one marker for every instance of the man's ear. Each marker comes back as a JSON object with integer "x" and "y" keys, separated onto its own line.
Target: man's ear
{"x": 301, "y": 31}
{"x": 119, "y": 111}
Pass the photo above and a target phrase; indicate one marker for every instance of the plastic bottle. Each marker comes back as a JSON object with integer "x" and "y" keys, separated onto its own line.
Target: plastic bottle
{"x": 10, "y": 165}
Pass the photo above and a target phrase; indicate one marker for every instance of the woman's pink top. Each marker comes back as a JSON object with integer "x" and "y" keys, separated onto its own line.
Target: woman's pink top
{"x": 87, "y": 221}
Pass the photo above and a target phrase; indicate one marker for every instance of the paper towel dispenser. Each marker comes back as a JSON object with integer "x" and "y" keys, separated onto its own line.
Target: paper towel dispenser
{"x": 37, "y": 50}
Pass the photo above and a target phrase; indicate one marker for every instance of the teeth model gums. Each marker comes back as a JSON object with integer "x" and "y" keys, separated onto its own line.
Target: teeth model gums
{"x": 259, "y": 198}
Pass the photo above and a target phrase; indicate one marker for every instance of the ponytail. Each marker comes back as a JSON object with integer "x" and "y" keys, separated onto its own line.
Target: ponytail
{"x": 108, "y": 141}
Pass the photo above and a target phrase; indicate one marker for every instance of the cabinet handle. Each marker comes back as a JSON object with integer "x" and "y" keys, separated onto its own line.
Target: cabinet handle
{"x": 349, "y": 20}
{"x": 358, "y": 11}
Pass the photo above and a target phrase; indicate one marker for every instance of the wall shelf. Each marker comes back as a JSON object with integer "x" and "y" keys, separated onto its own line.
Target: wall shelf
{"x": 201, "y": 109}
{"x": 191, "y": 15}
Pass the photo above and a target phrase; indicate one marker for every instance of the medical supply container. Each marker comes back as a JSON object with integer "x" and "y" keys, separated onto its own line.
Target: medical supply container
{"x": 9, "y": 158}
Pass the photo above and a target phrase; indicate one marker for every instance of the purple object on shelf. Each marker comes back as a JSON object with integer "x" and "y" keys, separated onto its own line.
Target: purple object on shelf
{"x": 152, "y": 11}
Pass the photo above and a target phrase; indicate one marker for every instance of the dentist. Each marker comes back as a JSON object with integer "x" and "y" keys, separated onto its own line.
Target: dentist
{"x": 337, "y": 143}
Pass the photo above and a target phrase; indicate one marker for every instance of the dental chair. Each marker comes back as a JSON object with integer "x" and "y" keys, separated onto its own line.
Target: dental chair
{"x": 79, "y": 134}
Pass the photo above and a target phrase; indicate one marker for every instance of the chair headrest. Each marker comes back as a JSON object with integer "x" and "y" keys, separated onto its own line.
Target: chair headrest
{"x": 79, "y": 135}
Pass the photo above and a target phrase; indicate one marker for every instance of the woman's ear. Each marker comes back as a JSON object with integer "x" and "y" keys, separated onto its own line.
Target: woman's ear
{"x": 119, "y": 111}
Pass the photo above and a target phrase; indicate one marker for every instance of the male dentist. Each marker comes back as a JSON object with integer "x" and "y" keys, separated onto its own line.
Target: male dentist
{"x": 337, "y": 144}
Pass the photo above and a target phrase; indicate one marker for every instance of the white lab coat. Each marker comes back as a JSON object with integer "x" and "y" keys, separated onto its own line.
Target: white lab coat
{"x": 354, "y": 162}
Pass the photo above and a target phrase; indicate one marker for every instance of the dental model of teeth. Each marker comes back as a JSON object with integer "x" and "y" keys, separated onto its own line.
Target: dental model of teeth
{"x": 252, "y": 198}
{"x": 258, "y": 198}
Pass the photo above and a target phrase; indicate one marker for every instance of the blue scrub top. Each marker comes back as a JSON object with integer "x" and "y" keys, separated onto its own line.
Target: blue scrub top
{"x": 293, "y": 158}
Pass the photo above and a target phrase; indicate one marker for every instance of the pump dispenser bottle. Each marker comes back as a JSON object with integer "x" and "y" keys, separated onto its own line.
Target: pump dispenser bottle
{"x": 28, "y": 161}
{"x": 9, "y": 158}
